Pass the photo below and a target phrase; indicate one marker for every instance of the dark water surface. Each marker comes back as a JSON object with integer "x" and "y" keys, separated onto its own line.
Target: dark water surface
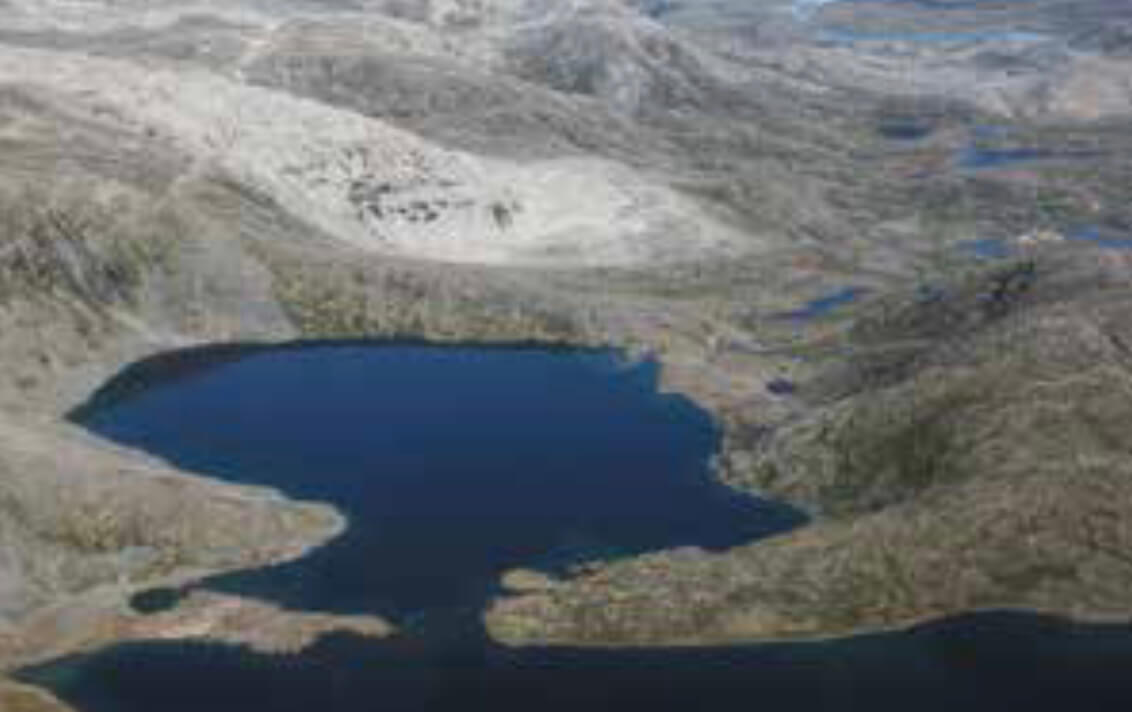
{"x": 995, "y": 662}
{"x": 987, "y": 248}
{"x": 848, "y": 36}
{"x": 977, "y": 157}
{"x": 454, "y": 464}
{"x": 1107, "y": 238}
{"x": 825, "y": 304}
{"x": 905, "y": 130}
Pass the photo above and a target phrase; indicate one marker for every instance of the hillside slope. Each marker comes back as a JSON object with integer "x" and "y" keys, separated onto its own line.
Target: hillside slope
{"x": 967, "y": 452}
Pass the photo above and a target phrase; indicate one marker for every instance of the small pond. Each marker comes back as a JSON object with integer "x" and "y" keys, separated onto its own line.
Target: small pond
{"x": 849, "y": 37}
{"x": 990, "y": 148}
{"x": 986, "y": 248}
{"x": 1099, "y": 236}
{"x": 991, "y": 248}
{"x": 824, "y": 304}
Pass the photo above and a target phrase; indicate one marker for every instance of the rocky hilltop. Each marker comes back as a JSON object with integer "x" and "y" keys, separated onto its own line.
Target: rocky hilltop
{"x": 680, "y": 178}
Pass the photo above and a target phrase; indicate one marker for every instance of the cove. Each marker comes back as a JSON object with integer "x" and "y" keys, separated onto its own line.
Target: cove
{"x": 452, "y": 464}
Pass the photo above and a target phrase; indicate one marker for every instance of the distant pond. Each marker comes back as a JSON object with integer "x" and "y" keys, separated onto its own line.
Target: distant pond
{"x": 454, "y": 464}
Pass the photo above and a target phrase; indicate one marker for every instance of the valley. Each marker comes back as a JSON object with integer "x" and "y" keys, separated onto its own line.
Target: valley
{"x": 883, "y": 244}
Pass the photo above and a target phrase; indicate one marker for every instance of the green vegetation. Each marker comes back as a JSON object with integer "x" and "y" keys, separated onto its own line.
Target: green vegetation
{"x": 325, "y": 298}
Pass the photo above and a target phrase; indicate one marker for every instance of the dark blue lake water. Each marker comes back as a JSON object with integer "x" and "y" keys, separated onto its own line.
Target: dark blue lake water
{"x": 908, "y": 130}
{"x": 991, "y": 662}
{"x": 1096, "y": 235}
{"x": 1092, "y": 235}
{"x": 454, "y": 464}
{"x": 976, "y": 157}
{"x": 987, "y": 248}
{"x": 825, "y": 304}
{"x": 845, "y": 36}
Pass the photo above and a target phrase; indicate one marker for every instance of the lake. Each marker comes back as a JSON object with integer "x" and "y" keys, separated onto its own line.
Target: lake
{"x": 451, "y": 464}
{"x": 454, "y": 464}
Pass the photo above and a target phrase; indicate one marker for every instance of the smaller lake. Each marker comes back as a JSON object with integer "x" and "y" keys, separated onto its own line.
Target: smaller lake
{"x": 452, "y": 464}
{"x": 986, "y": 248}
{"x": 1101, "y": 237}
{"x": 905, "y": 130}
{"x": 975, "y": 157}
{"x": 825, "y": 304}
{"x": 982, "y": 153}
{"x": 849, "y": 37}
{"x": 992, "y": 248}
